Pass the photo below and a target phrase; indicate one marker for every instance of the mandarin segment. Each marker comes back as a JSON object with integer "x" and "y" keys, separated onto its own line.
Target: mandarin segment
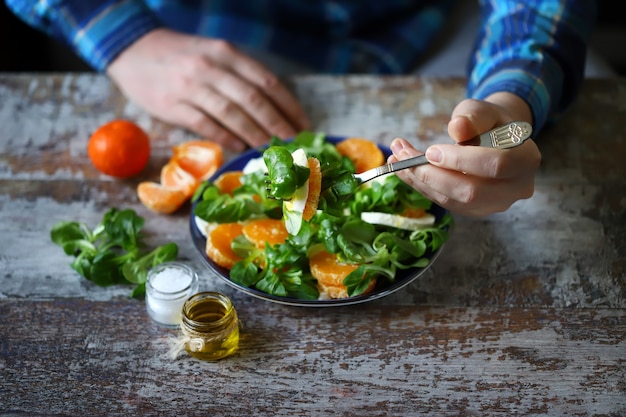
{"x": 198, "y": 157}
{"x": 326, "y": 268}
{"x": 414, "y": 212}
{"x": 315, "y": 188}
{"x": 262, "y": 231}
{"x": 341, "y": 291}
{"x": 333, "y": 291}
{"x": 160, "y": 199}
{"x": 330, "y": 273}
{"x": 228, "y": 181}
{"x": 192, "y": 162}
{"x": 173, "y": 176}
{"x": 218, "y": 244}
{"x": 363, "y": 153}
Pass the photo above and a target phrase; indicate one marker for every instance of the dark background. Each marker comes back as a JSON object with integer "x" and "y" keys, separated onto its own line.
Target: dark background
{"x": 25, "y": 49}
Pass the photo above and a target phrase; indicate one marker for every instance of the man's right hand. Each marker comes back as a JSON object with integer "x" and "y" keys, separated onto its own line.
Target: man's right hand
{"x": 208, "y": 87}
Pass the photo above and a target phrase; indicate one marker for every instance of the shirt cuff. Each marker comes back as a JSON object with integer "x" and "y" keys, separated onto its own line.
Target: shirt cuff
{"x": 100, "y": 40}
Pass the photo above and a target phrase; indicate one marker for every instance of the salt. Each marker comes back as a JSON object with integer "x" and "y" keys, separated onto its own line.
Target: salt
{"x": 168, "y": 286}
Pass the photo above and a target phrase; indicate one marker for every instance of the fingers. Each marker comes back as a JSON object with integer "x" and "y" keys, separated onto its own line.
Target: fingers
{"x": 193, "y": 119}
{"x": 468, "y": 196}
{"x": 474, "y": 180}
{"x": 208, "y": 87}
{"x": 248, "y": 105}
{"x": 473, "y": 117}
{"x": 465, "y": 124}
{"x": 230, "y": 115}
{"x": 486, "y": 162}
{"x": 471, "y": 180}
{"x": 278, "y": 94}
{"x": 266, "y": 85}
{"x": 474, "y": 160}
{"x": 236, "y": 110}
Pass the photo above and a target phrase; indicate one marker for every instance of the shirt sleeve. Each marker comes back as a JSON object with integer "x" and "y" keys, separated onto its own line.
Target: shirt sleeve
{"x": 97, "y": 31}
{"x": 535, "y": 49}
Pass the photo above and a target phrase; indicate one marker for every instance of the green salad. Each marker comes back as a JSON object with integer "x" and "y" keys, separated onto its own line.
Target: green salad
{"x": 367, "y": 225}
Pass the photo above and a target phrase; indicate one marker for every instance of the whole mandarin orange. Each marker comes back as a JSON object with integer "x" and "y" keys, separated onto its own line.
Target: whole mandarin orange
{"x": 119, "y": 148}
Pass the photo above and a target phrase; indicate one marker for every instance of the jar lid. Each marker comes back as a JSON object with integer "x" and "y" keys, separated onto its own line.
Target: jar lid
{"x": 171, "y": 279}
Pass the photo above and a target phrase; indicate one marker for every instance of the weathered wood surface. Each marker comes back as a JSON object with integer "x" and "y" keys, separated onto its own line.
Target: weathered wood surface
{"x": 85, "y": 358}
{"x": 524, "y": 312}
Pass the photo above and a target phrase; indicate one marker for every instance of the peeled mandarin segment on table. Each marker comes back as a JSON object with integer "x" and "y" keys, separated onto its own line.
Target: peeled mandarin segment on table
{"x": 193, "y": 162}
{"x": 218, "y": 244}
{"x": 172, "y": 175}
{"x": 199, "y": 157}
{"x": 159, "y": 198}
{"x": 363, "y": 153}
{"x": 266, "y": 231}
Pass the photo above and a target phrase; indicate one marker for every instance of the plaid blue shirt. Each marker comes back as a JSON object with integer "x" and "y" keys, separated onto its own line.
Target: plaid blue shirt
{"x": 535, "y": 49}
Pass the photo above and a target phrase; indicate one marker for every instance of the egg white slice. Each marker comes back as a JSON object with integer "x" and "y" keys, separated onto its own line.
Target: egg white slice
{"x": 397, "y": 221}
{"x": 254, "y": 165}
{"x": 202, "y": 225}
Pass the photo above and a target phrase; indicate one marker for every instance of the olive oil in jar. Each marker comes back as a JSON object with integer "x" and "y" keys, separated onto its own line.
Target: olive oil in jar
{"x": 210, "y": 326}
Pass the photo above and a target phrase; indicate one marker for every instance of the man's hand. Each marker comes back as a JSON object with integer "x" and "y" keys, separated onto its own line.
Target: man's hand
{"x": 208, "y": 87}
{"x": 471, "y": 180}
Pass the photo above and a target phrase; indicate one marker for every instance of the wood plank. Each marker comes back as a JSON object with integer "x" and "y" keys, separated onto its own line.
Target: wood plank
{"x": 77, "y": 357}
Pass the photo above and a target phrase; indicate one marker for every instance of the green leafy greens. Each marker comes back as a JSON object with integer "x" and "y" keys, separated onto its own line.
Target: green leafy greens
{"x": 283, "y": 269}
{"x": 113, "y": 252}
{"x": 284, "y": 177}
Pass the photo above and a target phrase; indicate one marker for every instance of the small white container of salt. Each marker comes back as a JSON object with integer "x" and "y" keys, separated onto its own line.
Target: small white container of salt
{"x": 168, "y": 286}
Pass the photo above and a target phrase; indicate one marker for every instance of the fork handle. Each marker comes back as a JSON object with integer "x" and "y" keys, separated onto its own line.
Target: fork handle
{"x": 393, "y": 167}
{"x": 502, "y": 137}
{"x": 405, "y": 163}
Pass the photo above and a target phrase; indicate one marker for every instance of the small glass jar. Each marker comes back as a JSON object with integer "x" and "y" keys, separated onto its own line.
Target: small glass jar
{"x": 168, "y": 286}
{"x": 210, "y": 326}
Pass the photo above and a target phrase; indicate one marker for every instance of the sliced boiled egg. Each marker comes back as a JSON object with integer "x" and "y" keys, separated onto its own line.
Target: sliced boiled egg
{"x": 203, "y": 226}
{"x": 293, "y": 208}
{"x": 254, "y": 165}
{"x": 397, "y": 221}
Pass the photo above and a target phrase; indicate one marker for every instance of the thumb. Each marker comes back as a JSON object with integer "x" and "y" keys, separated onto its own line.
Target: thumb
{"x": 471, "y": 118}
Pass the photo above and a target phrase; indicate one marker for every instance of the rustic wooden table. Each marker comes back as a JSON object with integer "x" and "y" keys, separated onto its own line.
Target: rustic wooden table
{"x": 524, "y": 313}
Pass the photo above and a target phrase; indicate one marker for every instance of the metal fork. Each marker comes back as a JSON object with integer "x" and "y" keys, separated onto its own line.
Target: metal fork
{"x": 503, "y": 137}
